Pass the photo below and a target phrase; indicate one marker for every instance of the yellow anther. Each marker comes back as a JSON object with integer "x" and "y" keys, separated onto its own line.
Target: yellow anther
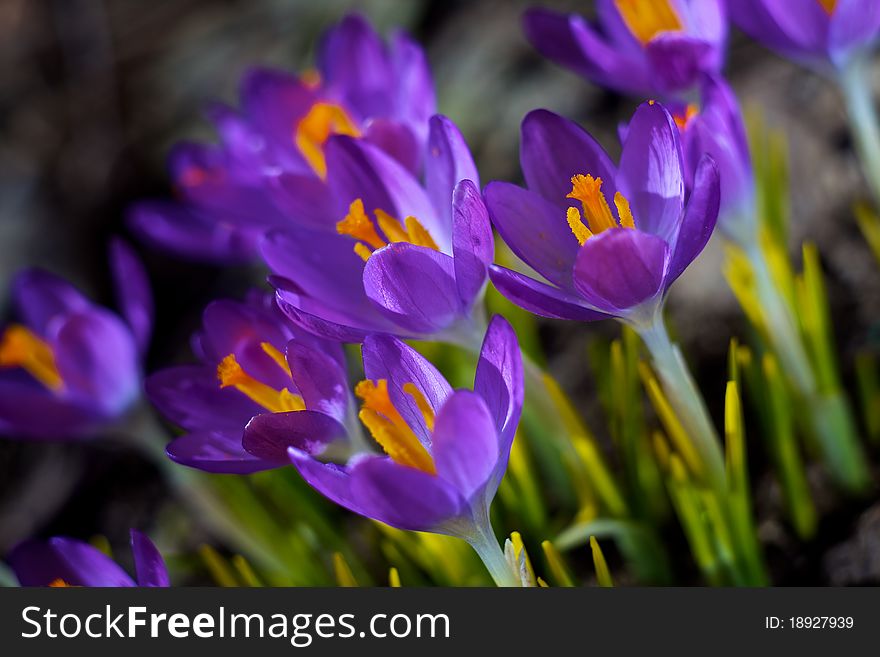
{"x": 20, "y": 347}
{"x": 424, "y": 407}
{"x": 581, "y": 232}
{"x": 276, "y": 355}
{"x": 388, "y": 427}
{"x": 231, "y": 374}
{"x": 623, "y": 211}
{"x": 828, "y": 5}
{"x": 588, "y": 191}
{"x": 682, "y": 119}
{"x": 315, "y": 128}
{"x": 358, "y": 225}
{"x": 59, "y": 584}
{"x": 648, "y": 18}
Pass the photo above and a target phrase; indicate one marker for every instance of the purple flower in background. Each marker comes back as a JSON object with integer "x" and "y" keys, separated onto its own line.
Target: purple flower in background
{"x": 819, "y": 33}
{"x": 61, "y": 562}
{"x": 716, "y": 128}
{"x": 254, "y": 361}
{"x": 446, "y": 450}
{"x": 71, "y": 365}
{"x": 643, "y": 47}
{"x": 598, "y": 262}
{"x": 404, "y": 258}
{"x": 269, "y": 168}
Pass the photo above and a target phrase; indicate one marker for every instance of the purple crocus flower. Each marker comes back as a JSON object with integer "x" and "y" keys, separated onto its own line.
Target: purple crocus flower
{"x": 61, "y": 562}
{"x": 270, "y": 165}
{"x": 599, "y": 262}
{"x": 404, "y": 258}
{"x": 446, "y": 450}
{"x": 641, "y": 47}
{"x": 819, "y": 33}
{"x": 253, "y": 361}
{"x": 71, "y": 366}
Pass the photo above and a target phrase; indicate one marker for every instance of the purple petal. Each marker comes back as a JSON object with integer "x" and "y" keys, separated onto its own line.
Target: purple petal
{"x": 36, "y": 563}
{"x": 303, "y": 199}
{"x": 414, "y": 84}
{"x": 699, "y": 218}
{"x": 133, "y": 295}
{"x": 397, "y": 140}
{"x": 98, "y": 361}
{"x": 793, "y": 27}
{"x": 677, "y": 60}
{"x": 388, "y": 358}
{"x": 448, "y": 161}
{"x": 28, "y": 410}
{"x": 275, "y": 101}
{"x": 149, "y": 564}
{"x": 553, "y": 150}
{"x": 473, "y": 246}
{"x": 535, "y": 230}
{"x": 620, "y": 268}
{"x": 331, "y": 480}
{"x": 191, "y": 397}
{"x": 499, "y": 378}
{"x": 651, "y": 171}
{"x": 320, "y": 379}
{"x": 403, "y": 497}
{"x": 465, "y": 445}
{"x": 268, "y": 436}
{"x": 190, "y": 234}
{"x": 218, "y": 452}
{"x": 854, "y": 23}
{"x": 39, "y": 297}
{"x": 414, "y": 286}
{"x": 541, "y": 299}
{"x": 303, "y": 311}
{"x": 356, "y": 169}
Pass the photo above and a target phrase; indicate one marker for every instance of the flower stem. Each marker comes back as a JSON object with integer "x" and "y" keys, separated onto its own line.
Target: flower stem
{"x": 686, "y": 400}
{"x": 482, "y": 539}
{"x": 855, "y": 83}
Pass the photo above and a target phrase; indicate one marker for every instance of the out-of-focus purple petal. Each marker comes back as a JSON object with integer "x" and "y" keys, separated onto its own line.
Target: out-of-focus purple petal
{"x": 30, "y": 411}
{"x": 678, "y": 59}
{"x": 540, "y": 298}
{"x": 219, "y": 452}
{"x": 133, "y": 295}
{"x": 97, "y": 359}
{"x": 448, "y": 161}
{"x": 398, "y": 140}
{"x": 303, "y": 199}
{"x": 854, "y": 24}
{"x": 534, "y": 229}
{"x": 414, "y": 286}
{"x": 268, "y": 436}
{"x": 793, "y": 27}
{"x": 620, "y": 268}
{"x": 651, "y": 173}
{"x": 388, "y": 358}
{"x": 473, "y": 246}
{"x": 149, "y": 564}
{"x": 190, "y": 396}
{"x": 403, "y": 497}
{"x": 465, "y": 445}
{"x": 38, "y": 563}
{"x": 553, "y": 150}
{"x": 320, "y": 379}
{"x": 699, "y": 218}
{"x": 415, "y": 85}
{"x": 275, "y": 101}
{"x": 40, "y": 296}
{"x": 186, "y": 233}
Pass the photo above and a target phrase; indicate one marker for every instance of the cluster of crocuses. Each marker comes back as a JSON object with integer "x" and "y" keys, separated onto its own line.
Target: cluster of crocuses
{"x": 366, "y": 208}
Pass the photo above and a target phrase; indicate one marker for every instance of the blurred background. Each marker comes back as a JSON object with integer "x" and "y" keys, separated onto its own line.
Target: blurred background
{"x": 93, "y": 93}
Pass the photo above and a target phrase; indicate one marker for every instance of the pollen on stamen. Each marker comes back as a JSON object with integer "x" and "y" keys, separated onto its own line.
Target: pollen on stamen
{"x": 588, "y": 191}
{"x": 623, "y": 211}
{"x": 648, "y": 18}
{"x": 20, "y": 347}
{"x": 357, "y": 224}
{"x": 316, "y": 127}
{"x": 229, "y": 372}
{"x": 581, "y": 232}
{"x": 275, "y": 354}
{"x": 422, "y": 403}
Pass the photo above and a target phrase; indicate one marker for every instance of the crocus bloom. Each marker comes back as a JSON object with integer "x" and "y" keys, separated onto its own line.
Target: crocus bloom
{"x": 598, "y": 262}
{"x": 819, "y": 33}
{"x": 253, "y": 361}
{"x": 445, "y": 450}
{"x": 643, "y": 47}
{"x": 402, "y": 257}
{"x": 715, "y": 127}
{"x": 269, "y": 168}
{"x": 71, "y": 366}
{"x": 67, "y": 562}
